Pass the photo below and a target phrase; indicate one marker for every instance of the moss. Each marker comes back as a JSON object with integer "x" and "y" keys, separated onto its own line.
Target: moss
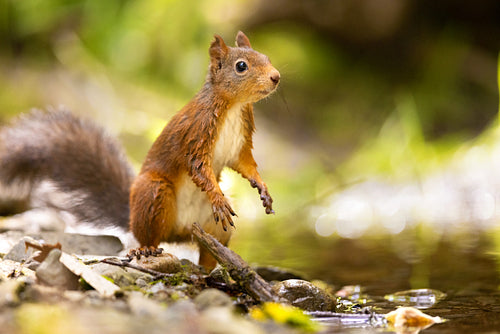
{"x": 284, "y": 314}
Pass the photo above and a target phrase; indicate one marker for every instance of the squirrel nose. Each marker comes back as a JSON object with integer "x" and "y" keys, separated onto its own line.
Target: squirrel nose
{"x": 275, "y": 77}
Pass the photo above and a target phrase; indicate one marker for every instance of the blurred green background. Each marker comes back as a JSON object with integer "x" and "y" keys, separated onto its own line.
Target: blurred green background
{"x": 384, "y": 122}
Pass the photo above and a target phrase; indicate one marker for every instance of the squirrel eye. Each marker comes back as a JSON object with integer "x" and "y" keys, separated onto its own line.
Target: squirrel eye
{"x": 241, "y": 66}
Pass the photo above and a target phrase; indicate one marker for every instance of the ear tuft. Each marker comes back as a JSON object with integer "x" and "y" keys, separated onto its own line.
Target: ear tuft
{"x": 218, "y": 49}
{"x": 242, "y": 40}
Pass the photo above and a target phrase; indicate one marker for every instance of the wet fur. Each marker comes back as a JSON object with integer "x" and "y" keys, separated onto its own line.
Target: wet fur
{"x": 179, "y": 180}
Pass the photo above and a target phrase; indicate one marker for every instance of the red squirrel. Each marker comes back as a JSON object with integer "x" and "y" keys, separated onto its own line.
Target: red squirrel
{"x": 178, "y": 183}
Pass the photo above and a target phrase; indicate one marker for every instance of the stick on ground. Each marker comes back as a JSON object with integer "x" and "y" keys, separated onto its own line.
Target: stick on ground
{"x": 239, "y": 270}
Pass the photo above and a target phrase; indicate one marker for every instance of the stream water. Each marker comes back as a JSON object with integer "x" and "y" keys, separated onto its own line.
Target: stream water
{"x": 464, "y": 267}
{"x": 469, "y": 277}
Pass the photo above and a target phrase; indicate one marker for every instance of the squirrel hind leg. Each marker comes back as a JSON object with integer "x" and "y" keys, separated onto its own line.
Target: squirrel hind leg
{"x": 152, "y": 209}
{"x": 207, "y": 260}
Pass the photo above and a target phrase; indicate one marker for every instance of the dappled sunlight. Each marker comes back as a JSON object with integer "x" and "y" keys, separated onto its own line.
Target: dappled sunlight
{"x": 464, "y": 193}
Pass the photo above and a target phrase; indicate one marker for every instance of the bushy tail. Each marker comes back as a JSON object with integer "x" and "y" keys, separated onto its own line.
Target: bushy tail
{"x": 85, "y": 166}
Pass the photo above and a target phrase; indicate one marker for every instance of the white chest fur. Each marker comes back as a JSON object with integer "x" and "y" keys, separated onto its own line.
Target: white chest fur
{"x": 193, "y": 204}
{"x": 230, "y": 139}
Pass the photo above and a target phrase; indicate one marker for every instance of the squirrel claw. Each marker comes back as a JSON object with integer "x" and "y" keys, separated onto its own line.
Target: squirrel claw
{"x": 144, "y": 251}
{"x": 266, "y": 199}
{"x": 223, "y": 213}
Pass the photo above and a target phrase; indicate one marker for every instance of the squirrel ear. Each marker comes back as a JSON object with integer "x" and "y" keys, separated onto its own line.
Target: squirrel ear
{"x": 218, "y": 49}
{"x": 242, "y": 40}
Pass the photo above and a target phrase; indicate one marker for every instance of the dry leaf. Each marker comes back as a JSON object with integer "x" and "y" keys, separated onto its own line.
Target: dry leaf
{"x": 44, "y": 249}
{"x": 410, "y": 317}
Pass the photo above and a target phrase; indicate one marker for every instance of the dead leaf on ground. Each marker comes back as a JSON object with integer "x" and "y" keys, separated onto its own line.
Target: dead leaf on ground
{"x": 410, "y": 320}
{"x": 44, "y": 249}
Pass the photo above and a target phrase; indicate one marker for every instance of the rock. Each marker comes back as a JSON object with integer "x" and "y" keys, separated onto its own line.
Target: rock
{"x": 120, "y": 276}
{"x": 9, "y": 292}
{"x": 142, "y": 306}
{"x": 221, "y": 275}
{"x": 99, "y": 283}
{"x": 182, "y": 317}
{"x": 190, "y": 267}
{"x": 222, "y": 320}
{"x": 212, "y": 298}
{"x": 19, "y": 252}
{"x": 166, "y": 292}
{"x": 9, "y": 239}
{"x": 42, "y": 293}
{"x": 12, "y": 269}
{"x": 142, "y": 282}
{"x": 53, "y": 273}
{"x": 34, "y": 221}
{"x": 164, "y": 263}
{"x": 270, "y": 273}
{"x": 105, "y": 245}
{"x": 305, "y": 295}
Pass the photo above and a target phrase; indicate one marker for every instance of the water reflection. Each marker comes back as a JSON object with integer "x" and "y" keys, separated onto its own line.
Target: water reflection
{"x": 463, "y": 266}
{"x": 418, "y": 298}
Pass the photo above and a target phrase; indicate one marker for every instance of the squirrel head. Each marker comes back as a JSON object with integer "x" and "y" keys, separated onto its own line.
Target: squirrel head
{"x": 240, "y": 74}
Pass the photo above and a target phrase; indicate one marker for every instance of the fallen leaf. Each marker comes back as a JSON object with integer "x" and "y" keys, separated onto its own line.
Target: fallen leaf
{"x": 410, "y": 318}
{"x": 44, "y": 249}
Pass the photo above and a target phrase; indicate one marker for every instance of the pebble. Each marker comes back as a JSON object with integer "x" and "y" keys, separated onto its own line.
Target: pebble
{"x": 120, "y": 276}
{"x": 53, "y": 273}
{"x": 305, "y": 295}
{"x": 9, "y": 292}
{"x": 19, "y": 252}
{"x": 164, "y": 263}
{"x": 213, "y": 298}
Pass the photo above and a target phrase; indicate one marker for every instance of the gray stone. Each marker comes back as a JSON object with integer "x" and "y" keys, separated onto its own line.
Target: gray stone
{"x": 182, "y": 317}
{"x": 270, "y": 273}
{"x": 220, "y": 274}
{"x": 164, "y": 263}
{"x": 305, "y": 295}
{"x": 120, "y": 276}
{"x": 19, "y": 252}
{"x": 81, "y": 244}
{"x": 86, "y": 244}
{"x": 212, "y": 298}
{"x": 53, "y": 273}
{"x": 11, "y": 269}
{"x": 9, "y": 292}
{"x": 142, "y": 306}
{"x": 43, "y": 294}
{"x": 221, "y": 320}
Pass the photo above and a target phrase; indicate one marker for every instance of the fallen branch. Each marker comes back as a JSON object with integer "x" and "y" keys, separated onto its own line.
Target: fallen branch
{"x": 238, "y": 269}
{"x": 126, "y": 263}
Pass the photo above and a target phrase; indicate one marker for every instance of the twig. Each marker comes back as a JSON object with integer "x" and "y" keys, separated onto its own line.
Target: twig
{"x": 238, "y": 269}
{"x": 125, "y": 263}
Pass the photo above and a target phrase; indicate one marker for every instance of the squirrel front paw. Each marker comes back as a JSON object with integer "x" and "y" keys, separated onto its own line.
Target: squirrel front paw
{"x": 267, "y": 201}
{"x": 222, "y": 211}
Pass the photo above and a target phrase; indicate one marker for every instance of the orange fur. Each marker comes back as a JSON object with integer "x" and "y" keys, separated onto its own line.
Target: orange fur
{"x": 178, "y": 181}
